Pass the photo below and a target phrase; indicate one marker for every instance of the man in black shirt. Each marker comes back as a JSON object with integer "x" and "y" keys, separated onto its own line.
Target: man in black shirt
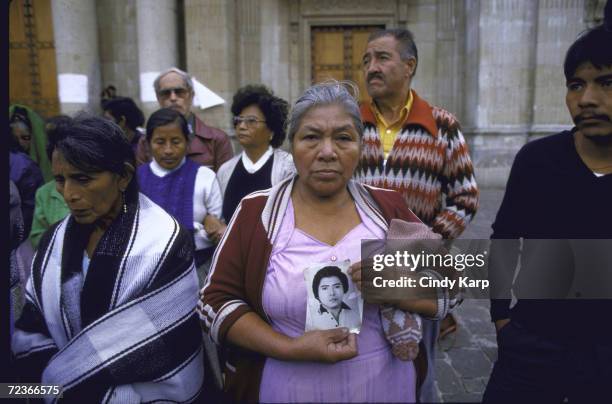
{"x": 558, "y": 200}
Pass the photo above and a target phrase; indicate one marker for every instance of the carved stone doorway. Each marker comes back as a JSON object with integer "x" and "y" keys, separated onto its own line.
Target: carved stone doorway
{"x": 337, "y": 51}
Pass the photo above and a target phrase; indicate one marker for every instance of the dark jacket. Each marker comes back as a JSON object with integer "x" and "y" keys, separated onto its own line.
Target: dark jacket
{"x": 552, "y": 195}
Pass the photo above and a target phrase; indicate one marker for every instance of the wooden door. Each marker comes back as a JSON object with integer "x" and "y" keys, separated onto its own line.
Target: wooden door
{"x": 32, "y": 66}
{"x": 337, "y": 52}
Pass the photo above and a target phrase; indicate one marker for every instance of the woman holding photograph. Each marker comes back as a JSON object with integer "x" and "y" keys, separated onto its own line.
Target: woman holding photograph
{"x": 254, "y": 302}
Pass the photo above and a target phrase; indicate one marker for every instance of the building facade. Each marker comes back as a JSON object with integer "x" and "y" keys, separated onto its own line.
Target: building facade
{"x": 495, "y": 64}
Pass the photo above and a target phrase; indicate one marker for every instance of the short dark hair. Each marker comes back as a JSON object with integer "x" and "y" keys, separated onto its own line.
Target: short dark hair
{"x": 592, "y": 46}
{"x": 274, "y": 109}
{"x": 125, "y": 107}
{"x": 328, "y": 272}
{"x": 405, "y": 39}
{"x": 94, "y": 144}
{"x": 167, "y": 116}
{"x": 54, "y": 133}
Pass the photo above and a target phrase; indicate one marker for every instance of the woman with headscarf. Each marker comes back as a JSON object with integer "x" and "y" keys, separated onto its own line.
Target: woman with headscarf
{"x": 26, "y": 175}
{"x": 109, "y": 312}
{"x": 35, "y": 138}
{"x": 254, "y": 302}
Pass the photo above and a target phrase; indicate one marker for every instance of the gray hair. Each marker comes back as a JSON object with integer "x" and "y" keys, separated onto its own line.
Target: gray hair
{"x": 405, "y": 39}
{"x": 330, "y": 92}
{"x": 184, "y": 75}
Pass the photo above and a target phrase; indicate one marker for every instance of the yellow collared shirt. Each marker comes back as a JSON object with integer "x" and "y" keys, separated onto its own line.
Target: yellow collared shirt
{"x": 388, "y": 132}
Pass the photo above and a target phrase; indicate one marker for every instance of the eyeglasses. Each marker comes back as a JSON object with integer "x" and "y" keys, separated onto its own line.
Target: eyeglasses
{"x": 179, "y": 91}
{"x": 250, "y": 121}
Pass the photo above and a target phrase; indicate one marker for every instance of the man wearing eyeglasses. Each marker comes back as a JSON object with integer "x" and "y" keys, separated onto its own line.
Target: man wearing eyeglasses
{"x": 208, "y": 146}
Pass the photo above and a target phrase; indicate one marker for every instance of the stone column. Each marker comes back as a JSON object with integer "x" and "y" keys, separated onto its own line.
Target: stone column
{"x": 507, "y": 59}
{"x": 421, "y": 21}
{"x": 210, "y": 32}
{"x": 471, "y": 47}
{"x": 117, "y": 33}
{"x": 249, "y": 41}
{"x": 274, "y": 61}
{"x": 449, "y": 59}
{"x": 76, "y": 49}
{"x": 559, "y": 23}
{"x": 157, "y": 45}
{"x": 504, "y": 87}
{"x": 593, "y": 12}
{"x": 296, "y": 74}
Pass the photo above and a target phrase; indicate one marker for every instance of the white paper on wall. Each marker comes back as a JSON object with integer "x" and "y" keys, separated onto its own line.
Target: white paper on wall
{"x": 205, "y": 98}
{"x": 73, "y": 88}
{"x": 147, "y": 92}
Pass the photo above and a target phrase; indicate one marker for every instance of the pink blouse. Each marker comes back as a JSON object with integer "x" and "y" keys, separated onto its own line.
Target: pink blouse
{"x": 374, "y": 374}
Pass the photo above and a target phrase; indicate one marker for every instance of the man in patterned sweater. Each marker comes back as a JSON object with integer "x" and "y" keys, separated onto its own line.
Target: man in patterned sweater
{"x": 410, "y": 146}
{"x": 415, "y": 149}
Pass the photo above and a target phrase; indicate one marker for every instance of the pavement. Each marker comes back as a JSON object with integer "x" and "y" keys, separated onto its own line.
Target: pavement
{"x": 465, "y": 358}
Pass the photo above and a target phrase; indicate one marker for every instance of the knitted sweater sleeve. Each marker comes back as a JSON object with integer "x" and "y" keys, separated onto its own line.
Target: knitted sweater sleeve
{"x": 459, "y": 186}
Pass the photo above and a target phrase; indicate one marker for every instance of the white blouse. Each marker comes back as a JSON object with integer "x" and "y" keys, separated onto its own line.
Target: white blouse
{"x": 251, "y": 167}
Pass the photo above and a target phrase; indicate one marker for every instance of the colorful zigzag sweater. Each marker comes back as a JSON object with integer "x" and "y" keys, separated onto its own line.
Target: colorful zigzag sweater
{"x": 429, "y": 165}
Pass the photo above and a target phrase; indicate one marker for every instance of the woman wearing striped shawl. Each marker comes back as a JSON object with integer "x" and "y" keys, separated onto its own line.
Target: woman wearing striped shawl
{"x": 109, "y": 311}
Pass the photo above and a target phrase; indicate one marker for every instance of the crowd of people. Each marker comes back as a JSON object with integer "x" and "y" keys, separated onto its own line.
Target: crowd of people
{"x": 130, "y": 220}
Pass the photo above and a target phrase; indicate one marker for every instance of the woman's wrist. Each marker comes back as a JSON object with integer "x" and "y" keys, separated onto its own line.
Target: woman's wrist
{"x": 287, "y": 348}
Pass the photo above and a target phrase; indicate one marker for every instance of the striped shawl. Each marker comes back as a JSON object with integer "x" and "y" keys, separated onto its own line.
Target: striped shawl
{"x": 136, "y": 337}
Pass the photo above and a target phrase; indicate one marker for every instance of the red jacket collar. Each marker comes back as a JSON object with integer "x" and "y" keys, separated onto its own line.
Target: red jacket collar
{"x": 200, "y": 128}
{"x": 420, "y": 114}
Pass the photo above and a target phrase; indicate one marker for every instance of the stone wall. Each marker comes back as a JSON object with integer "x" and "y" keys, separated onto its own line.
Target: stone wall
{"x": 516, "y": 87}
{"x": 495, "y": 64}
{"x": 158, "y": 47}
{"x": 76, "y": 50}
{"x": 118, "y": 45}
{"x": 211, "y": 43}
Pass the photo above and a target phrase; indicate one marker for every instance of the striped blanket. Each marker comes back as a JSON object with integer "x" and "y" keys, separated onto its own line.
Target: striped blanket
{"x": 129, "y": 332}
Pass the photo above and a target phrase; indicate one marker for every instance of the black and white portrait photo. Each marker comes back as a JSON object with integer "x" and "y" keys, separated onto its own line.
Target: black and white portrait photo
{"x": 333, "y": 300}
